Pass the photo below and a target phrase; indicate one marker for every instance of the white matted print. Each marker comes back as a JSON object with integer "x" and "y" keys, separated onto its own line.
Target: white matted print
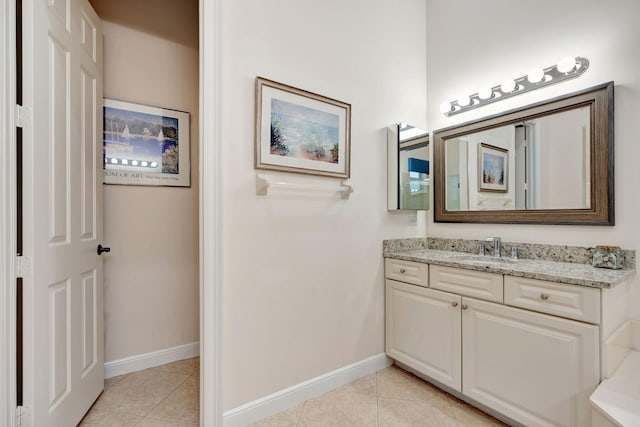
{"x": 145, "y": 145}
{"x": 493, "y": 171}
{"x": 300, "y": 131}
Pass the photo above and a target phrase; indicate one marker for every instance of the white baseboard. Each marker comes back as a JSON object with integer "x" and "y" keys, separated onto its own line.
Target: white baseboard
{"x": 281, "y": 400}
{"x": 151, "y": 360}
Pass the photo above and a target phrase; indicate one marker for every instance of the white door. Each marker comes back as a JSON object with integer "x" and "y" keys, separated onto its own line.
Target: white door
{"x": 423, "y": 331}
{"x": 63, "y": 199}
{"x": 536, "y": 369}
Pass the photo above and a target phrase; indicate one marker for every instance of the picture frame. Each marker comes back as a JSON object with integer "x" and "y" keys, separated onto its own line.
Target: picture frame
{"x": 145, "y": 145}
{"x": 300, "y": 131}
{"x": 493, "y": 169}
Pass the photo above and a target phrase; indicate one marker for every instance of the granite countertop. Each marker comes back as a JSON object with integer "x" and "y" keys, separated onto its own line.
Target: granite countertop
{"x": 553, "y": 271}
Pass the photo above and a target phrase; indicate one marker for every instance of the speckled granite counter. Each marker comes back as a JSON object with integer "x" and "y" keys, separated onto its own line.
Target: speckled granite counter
{"x": 574, "y": 273}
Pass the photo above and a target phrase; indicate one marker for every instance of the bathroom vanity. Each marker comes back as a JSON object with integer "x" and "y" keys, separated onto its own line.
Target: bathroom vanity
{"x": 521, "y": 337}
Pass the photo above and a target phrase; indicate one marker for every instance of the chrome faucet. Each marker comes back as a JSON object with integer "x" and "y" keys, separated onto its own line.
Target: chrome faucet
{"x": 496, "y": 245}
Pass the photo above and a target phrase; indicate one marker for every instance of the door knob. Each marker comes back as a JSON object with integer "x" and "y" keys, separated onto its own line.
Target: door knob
{"x": 102, "y": 249}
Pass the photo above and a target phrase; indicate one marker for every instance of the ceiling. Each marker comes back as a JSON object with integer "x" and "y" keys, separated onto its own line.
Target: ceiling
{"x": 175, "y": 20}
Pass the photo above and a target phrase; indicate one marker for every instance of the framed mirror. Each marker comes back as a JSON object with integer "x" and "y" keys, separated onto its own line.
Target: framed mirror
{"x": 547, "y": 163}
{"x": 407, "y": 168}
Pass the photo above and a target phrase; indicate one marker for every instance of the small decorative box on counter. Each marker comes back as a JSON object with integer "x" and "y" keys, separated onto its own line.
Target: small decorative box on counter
{"x": 607, "y": 257}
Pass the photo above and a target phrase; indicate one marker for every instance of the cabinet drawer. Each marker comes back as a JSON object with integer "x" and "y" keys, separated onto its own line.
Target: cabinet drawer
{"x": 477, "y": 284}
{"x": 573, "y": 302}
{"x": 407, "y": 271}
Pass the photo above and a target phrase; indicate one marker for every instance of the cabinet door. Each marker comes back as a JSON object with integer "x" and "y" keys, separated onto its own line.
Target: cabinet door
{"x": 535, "y": 368}
{"x": 423, "y": 330}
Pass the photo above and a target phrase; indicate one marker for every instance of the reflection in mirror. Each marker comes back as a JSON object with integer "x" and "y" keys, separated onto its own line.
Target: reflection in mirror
{"x": 550, "y": 162}
{"x": 408, "y": 168}
{"x": 541, "y": 163}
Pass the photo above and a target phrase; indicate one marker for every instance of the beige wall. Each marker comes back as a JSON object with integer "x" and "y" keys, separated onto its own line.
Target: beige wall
{"x": 151, "y": 275}
{"x": 303, "y": 272}
{"x": 503, "y": 39}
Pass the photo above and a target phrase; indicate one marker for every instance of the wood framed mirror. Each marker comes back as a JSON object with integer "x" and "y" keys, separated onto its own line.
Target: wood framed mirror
{"x": 546, "y": 163}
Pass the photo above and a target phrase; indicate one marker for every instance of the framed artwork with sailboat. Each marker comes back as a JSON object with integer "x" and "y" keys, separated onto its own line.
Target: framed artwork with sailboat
{"x": 145, "y": 145}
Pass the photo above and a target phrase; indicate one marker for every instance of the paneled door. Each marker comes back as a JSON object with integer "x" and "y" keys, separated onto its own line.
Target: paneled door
{"x": 536, "y": 369}
{"x": 423, "y": 331}
{"x": 64, "y": 374}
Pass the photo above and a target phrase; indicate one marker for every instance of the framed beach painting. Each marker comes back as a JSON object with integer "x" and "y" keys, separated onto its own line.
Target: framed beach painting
{"x": 144, "y": 145}
{"x": 300, "y": 131}
{"x": 493, "y": 168}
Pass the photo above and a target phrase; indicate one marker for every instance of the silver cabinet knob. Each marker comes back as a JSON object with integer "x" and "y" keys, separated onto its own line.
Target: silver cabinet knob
{"x": 544, "y": 297}
{"x": 454, "y": 304}
{"x": 465, "y": 306}
{"x": 402, "y": 270}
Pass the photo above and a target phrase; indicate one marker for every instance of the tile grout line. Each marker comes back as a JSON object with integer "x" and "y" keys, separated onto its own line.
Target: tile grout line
{"x": 300, "y": 414}
{"x": 166, "y": 397}
{"x": 100, "y": 395}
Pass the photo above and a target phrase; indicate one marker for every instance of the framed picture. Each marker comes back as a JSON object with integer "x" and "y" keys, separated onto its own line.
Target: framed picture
{"x": 493, "y": 170}
{"x": 145, "y": 145}
{"x": 300, "y": 131}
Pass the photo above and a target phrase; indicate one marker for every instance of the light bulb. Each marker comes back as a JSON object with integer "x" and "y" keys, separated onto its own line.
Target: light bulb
{"x": 143, "y": 163}
{"x": 114, "y": 161}
{"x": 464, "y": 101}
{"x": 485, "y": 93}
{"x": 445, "y": 107}
{"x": 508, "y": 86}
{"x": 566, "y": 64}
{"x": 536, "y": 75}
{"x": 134, "y": 162}
{"x": 154, "y": 164}
{"x": 125, "y": 161}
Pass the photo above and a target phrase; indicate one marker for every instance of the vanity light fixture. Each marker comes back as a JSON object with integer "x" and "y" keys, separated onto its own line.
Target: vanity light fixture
{"x": 567, "y": 68}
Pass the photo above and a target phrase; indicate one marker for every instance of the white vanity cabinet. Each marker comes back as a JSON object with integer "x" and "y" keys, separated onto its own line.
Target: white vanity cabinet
{"x": 535, "y": 368}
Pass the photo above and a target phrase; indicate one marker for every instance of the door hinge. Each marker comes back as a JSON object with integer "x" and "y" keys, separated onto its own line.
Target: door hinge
{"x": 22, "y": 267}
{"x": 23, "y": 116}
{"x": 23, "y": 416}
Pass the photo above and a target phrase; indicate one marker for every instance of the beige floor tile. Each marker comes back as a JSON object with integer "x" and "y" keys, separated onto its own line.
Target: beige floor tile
{"x": 395, "y": 383}
{"x": 365, "y": 385}
{"x": 183, "y": 404}
{"x": 110, "y": 382}
{"x": 99, "y": 417}
{"x": 169, "y": 397}
{"x": 139, "y": 392}
{"x": 287, "y": 418}
{"x": 414, "y": 413}
{"x": 158, "y": 422}
{"x": 468, "y": 416}
{"x": 186, "y": 366}
{"x": 340, "y": 408}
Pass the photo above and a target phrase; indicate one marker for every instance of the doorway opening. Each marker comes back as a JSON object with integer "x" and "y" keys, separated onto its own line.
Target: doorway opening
{"x": 151, "y": 278}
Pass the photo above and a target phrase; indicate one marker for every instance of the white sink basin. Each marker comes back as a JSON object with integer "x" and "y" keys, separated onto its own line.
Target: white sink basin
{"x": 488, "y": 260}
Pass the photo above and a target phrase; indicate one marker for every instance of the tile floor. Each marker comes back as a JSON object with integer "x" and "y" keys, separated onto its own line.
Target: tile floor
{"x": 389, "y": 398}
{"x": 168, "y": 396}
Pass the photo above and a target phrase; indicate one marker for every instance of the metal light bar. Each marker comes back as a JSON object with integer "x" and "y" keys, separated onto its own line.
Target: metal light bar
{"x": 567, "y": 68}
